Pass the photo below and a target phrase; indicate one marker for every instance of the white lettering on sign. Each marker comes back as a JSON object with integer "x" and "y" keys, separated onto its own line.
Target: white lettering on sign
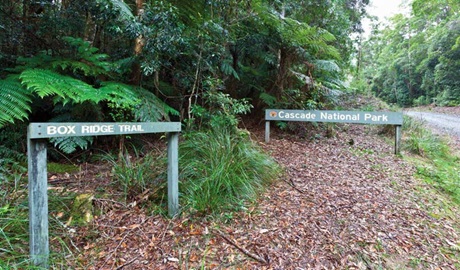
{"x": 53, "y": 130}
{"x": 131, "y": 128}
{"x": 308, "y": 116}
{"x": 97, "y": 129}
{"x": 339, "y": 116}
{"x": 376, "y": 118}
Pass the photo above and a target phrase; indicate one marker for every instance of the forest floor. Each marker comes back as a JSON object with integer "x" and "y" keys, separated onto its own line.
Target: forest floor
{"x": 344, "y": 202}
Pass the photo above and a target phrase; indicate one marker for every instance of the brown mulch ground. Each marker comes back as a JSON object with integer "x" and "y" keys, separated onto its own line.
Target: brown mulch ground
{"x": 340, "y": 205}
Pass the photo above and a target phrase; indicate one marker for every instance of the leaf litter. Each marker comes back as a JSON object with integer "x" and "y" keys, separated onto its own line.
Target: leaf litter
{"x": 337, "y": 206}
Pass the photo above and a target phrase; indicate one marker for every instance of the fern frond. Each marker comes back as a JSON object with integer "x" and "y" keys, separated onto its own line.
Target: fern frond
{"x": 49, "y": 83}
{"x": 14, "y": 101}
{"x": 227, "y": 69}
{"x": 327, "y": 66}
{"x": 87, "y": 60}
{"x": 86, "y": 67}
{"x": 119, "y": 93}
{"x": 268, "y": 99}
{"x": 69, "y": 145}
{"x": 151, "y": 108}
{"x": 121, "y": 7}
{"x": 143, "y": 103}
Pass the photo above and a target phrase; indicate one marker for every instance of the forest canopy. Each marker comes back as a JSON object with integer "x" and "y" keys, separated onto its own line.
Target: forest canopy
{"x": 116, "y": 60}
{"x": 205, "y": 62}
{"x": 414, "y": 59}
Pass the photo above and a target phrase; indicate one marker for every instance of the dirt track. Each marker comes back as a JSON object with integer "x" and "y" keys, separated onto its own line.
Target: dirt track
{"x": 443, "y": 123}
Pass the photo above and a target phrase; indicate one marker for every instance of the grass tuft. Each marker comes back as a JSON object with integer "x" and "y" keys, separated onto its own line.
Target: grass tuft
{"x": 221, "y": 170}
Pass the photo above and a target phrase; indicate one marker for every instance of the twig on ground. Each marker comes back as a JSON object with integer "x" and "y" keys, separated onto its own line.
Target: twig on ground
{"x": 245, "y": 251}
{"x": 127, "y": 263}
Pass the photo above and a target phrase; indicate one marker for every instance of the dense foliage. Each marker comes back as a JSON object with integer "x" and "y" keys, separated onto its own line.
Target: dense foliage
{"x": 415, "y": 59}
{"x": 268, "y": 51}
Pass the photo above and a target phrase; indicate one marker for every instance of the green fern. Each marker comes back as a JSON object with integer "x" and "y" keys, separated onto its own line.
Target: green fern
{"x": 151, "y": 108}
{"x": 120, "y": 93}
{"x": 121, "y": 7}
{"x": 296, "y": 33}
{"x": 228, "y": 69}
{"x": 69, "y": 145}
{"x": 87, "y": 60}
{"x": 268, "y": 99}
{"x": 14, "y": 101}
{"x": 48, "y": 83}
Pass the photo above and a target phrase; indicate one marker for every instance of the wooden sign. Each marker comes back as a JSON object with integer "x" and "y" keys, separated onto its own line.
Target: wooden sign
{"x": 37, "y": 172}
{"x": 356, "y": 117}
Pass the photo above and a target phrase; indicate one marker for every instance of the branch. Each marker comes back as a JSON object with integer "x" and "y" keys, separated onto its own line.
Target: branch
{"x": 245, "y": 251}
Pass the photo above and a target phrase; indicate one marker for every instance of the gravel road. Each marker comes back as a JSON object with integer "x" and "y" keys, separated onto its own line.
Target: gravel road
{"x": 443, "y": 123}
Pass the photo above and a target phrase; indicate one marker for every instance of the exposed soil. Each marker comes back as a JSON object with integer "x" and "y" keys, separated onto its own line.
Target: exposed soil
{"x": 345, "y": 202}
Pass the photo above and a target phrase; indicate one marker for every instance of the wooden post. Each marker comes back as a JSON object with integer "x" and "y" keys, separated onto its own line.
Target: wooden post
{"x": 397, "y": 139}
{"x": 173, "y": 173}
{"x": 38, "y": 182}
{"x": 267, "y": 131}
{"x": 38, "y": 203}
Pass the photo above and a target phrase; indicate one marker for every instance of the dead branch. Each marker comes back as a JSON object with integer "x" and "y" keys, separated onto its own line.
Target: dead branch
{"x": 127, "y": 263}
{"x": 243, "y": 250}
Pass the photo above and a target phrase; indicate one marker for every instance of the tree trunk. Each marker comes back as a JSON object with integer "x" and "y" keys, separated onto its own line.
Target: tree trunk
{"x": 139, "y": 43}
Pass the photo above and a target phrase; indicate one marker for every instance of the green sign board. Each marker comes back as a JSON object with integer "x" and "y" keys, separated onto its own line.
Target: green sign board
{"x": 49, "y": 130}
{"x": 357, "y": 117}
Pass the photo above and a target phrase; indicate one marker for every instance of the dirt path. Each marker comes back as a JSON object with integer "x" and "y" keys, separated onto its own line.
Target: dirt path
{"x": 445, "y": 123}
{"x": 339, "y": 206}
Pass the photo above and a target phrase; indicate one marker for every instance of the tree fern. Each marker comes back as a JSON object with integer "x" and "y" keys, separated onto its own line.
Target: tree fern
{"x": 87, "y": 59}
{"x": 228, "y": 69}
{"x": 48, "y": 83}
{"x": 151, "y": 108}
{"x": 120, "y": 93}
{"x": 71, "y": 144}
{"x": 14, "y": 101}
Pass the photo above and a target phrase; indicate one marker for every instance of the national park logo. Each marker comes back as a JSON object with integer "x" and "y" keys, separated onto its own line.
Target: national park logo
{"x": 272, "y": 114}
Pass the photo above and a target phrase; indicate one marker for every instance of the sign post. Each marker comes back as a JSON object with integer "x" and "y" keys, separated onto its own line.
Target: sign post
{"x": 356, "y": 117}
{"x": 38, "y": 179}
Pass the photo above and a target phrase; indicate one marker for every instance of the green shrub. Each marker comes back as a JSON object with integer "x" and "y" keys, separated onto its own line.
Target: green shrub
{"x": 221, "y": 169}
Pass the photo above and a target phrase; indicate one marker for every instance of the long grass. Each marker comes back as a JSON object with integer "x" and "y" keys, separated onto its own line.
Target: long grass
{"x": 221, "y": 170}
{"x": 437, "y": 164}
